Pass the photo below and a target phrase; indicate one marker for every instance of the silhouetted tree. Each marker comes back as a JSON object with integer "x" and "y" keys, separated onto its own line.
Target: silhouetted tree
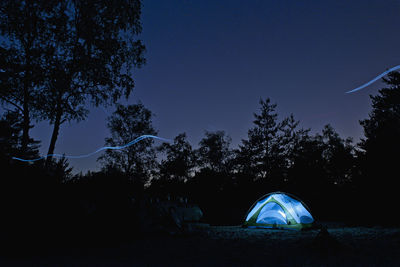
{"x": 214, "y": 152}
{"x": 91, "y": 56}
{"x": 59, "y": 169}
{"x": 382, "y": 128}
{"x": 179, "y": 161}
{"x": 339, "y": 156}
{"x": 138, "y": 160}
{"x": 306, "y": 174}
{"x": 176, "y": 167}
{"x": 379, "y": 163}
{"x": 289, "y": 136}
{"x": 11, "y": 132}
{"x": 261, "y": 156}
{"x": 321, "y": 166}
{"x": 213, "y": 184}
{"x": 22, "y": 29}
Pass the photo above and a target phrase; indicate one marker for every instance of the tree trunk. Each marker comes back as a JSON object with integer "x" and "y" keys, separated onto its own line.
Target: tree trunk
{"x": 25, "y": 126}
{"x": 26, "y": 117}
{"x": 56, "y": 128}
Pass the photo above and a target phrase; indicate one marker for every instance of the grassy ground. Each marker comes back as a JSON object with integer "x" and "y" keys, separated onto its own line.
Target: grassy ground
{"x": 232, "y": 246}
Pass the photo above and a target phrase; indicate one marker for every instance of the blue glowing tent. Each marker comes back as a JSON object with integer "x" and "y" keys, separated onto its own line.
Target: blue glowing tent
{"x": 279, "y": 210}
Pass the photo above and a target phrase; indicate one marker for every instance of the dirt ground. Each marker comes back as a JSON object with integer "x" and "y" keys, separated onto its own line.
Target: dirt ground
{"x": 233, "y": 246}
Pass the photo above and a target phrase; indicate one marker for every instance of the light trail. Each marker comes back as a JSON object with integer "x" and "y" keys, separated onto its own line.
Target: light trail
{"x": 140, "y": 138}
{"x": 374, "y": 80}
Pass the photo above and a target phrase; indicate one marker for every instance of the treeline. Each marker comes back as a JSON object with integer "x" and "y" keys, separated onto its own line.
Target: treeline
{"x": 338, "y": 179}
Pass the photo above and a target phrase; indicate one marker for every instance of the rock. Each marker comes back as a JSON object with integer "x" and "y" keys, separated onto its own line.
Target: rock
{"x": 190, "y": 214}
{"x": 175, "y": 217}
{"x": 170, "y": 217}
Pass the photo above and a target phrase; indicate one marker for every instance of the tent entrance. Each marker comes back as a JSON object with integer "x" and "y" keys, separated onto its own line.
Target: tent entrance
{"x": 272, "y": 213}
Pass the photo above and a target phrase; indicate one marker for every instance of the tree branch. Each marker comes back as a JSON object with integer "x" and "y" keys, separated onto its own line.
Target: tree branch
{"x": 14, "y": 96}
{"x": 11, "y": 103}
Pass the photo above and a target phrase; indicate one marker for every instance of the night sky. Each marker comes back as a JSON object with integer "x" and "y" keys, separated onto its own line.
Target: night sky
{"x": 209, "y": 62}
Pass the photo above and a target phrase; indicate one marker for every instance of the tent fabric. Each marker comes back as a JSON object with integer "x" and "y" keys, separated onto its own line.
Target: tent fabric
{"x": 279, "y": 210}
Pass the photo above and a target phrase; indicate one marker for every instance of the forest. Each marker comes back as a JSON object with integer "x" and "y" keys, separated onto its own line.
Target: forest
{"x": 55, "y": 63}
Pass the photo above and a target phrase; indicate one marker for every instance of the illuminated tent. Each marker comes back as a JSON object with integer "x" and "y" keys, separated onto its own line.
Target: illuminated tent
{"x": 279, "y": 210}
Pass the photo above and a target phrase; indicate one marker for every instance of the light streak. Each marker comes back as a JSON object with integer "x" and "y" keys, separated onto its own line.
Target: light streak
{"x": 374, "y": 80}
{"x": 140, "y": 138}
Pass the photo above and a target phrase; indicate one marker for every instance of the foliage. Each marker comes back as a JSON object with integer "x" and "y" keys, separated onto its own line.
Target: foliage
{"x": 22, "y": 29}
{"x": 382, "y": 129}
{"x": 92, "y": 56}
{"x": 338, "y": 155}
{"x": 11, "y": 137}
{"x": 179, "y": 161}
{"x": 136, "y": 161}
{"x": 58, "y": 55}
{"x": 214, "y": 152}
{"x": 378, "y": 163}
{"x": 266, "y": 154}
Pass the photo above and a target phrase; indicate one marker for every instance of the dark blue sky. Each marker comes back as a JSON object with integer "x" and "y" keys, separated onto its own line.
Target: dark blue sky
{"x": 209, "y": 62}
